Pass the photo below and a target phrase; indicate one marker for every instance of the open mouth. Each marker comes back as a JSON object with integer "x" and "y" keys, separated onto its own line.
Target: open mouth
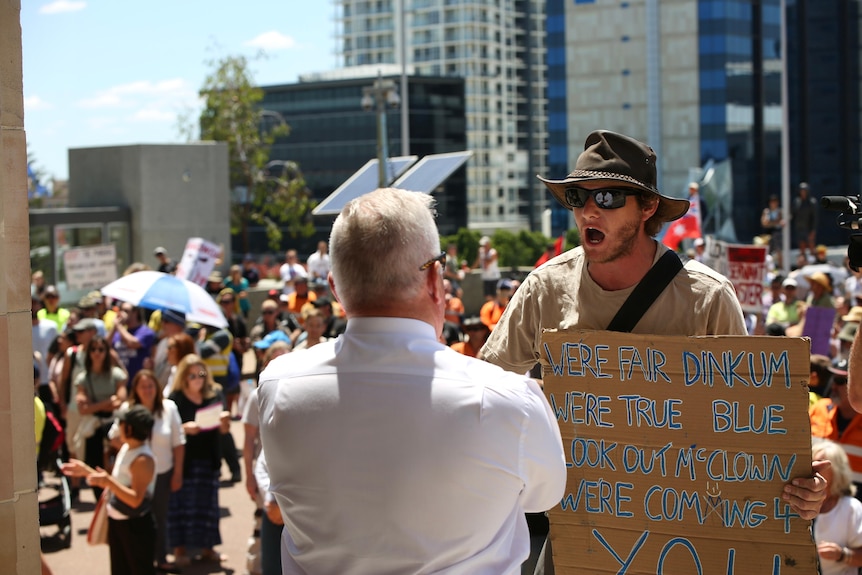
{"x": 594, "y": 236}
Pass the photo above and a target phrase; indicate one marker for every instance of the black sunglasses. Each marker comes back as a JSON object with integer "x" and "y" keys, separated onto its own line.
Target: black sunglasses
{"x": 441, "y": 258}
{"x": 605, "y": 198}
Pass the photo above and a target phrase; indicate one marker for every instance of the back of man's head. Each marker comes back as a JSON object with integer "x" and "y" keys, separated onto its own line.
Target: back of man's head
{"x": 377, "y": 245}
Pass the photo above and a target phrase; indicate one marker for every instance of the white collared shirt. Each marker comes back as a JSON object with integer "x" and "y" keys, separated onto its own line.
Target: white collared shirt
{"x": 391, "y": 453}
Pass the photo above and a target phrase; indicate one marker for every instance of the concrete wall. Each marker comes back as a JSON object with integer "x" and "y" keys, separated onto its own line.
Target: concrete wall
{"x": 19, "y": 516}
{"x": 174, "y": 192}
{"x": 606, "y": 80}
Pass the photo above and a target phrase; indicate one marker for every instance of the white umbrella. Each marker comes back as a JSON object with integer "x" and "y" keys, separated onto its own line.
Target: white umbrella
{"x": 157, "y": 290}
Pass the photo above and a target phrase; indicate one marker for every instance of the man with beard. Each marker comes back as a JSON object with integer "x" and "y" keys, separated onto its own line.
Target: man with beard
{"x": 618, "y": 210}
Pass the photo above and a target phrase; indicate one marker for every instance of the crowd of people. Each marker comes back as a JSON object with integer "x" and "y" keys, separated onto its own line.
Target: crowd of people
{"x": 100, "y": 360}
{"x": 388, "y": 430}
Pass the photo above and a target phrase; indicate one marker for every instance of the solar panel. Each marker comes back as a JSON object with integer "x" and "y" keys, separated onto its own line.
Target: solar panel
{"x": 431, "y": 171}
{"x": 361, "y": 182}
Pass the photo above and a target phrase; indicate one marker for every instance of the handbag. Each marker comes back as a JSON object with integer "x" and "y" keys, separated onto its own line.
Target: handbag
{"x": 86, "y": 428}
{"x": 97, "y": 534}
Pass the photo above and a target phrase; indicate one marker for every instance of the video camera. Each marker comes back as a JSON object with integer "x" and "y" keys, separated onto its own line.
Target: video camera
{"x": 850, "y": 218}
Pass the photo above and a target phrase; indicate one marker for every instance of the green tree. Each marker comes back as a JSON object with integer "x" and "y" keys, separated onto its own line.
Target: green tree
{"x": 36, "y": 190}
{"x": 270, "y": 194}
{"x": 515, "y": 250}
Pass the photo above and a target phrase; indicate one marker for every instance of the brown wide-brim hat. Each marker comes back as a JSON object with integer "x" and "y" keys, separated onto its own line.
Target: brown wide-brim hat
{"x": 618, "y": 160}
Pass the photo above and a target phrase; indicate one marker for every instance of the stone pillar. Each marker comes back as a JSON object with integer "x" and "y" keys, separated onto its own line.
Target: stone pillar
{"x": 19, "y": 516}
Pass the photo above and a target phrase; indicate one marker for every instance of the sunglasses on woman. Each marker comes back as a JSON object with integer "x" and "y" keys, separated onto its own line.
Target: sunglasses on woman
{"x": 605, "y": 198}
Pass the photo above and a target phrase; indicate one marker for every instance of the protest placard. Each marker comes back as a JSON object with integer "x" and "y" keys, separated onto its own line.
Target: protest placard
{"x": 90, "y": 267}
{"x": 198, "y": 260}
{"x": 818, "y": 327}
{"x": 744, "y": 266}
{"x": 678, "y": 449}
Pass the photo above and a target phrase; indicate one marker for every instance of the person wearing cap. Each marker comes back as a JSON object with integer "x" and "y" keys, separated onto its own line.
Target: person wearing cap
{"x": 486, "y": 262}
{"x": 475, "y": 335}
{"x": 90, "y": 307}
{"x": 819, "y": 291}
{"x": 173, "y": 323}
{"x": 52, "y": 310}
{"x": 215, "y": 283}
{"x": 166, "y": 265}
{"x": 492, "y": 311}
{"x": 618, "y": 210}
{"x": 803, "y": 217}
{"x": 844, "y": 328}
{"x": 431, "y": 457}
{"x": 699, "y": 249}
{"x": 131, "y": 528}
{"x": 845, "y": 338}
{"x": 290, "y": 270}
{"x": 834, "y": 418}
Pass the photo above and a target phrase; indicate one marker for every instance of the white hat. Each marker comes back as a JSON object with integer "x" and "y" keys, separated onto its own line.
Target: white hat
{"x": 789, "y": 282}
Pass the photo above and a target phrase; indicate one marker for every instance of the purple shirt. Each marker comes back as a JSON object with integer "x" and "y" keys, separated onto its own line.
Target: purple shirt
{"x": 133, "y": 359}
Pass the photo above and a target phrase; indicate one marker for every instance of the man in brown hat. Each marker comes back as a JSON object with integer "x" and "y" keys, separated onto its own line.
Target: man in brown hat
{"x": 618, "y": 210}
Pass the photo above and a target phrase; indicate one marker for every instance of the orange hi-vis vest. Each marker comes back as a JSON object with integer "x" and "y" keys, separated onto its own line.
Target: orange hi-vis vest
{"x": 824, "y": 423}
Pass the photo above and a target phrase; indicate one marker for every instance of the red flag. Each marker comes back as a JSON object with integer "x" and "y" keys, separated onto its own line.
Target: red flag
{"x": 558, "y": 245}
{"x": 687, "y": 226}
{"x": 558, "y": 249}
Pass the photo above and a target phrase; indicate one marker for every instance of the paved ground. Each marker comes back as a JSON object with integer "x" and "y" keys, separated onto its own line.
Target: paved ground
{"x": 236, "y": 527}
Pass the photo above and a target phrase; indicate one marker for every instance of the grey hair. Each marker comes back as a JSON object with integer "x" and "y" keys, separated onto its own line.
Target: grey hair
{"x": 842, "y": 478}
{"x": 377, "y": 245}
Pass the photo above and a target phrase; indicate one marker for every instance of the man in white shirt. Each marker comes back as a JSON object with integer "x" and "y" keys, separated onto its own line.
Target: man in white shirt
{"x": 290, "y": 270}
{"x": 318, "y": 263}
{"x": 389, "y": 452}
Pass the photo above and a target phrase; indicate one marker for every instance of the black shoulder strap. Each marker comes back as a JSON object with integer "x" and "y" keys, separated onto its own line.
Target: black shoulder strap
{"x": 646, "y": 292}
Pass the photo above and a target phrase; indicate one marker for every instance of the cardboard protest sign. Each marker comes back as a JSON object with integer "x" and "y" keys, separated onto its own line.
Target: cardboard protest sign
{"x": 90, "y": 267}
{"x": 678, "y": 450}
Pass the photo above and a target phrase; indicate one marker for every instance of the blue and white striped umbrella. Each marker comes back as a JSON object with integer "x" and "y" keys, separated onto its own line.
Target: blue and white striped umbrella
{"x": 157, "y": 290}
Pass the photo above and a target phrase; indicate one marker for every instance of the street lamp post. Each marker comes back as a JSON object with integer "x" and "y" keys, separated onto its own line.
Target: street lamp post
{"x": 378, "y": 96}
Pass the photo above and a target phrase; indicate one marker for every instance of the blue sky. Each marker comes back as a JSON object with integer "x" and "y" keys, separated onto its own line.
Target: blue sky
{"x": 109, "y": 72}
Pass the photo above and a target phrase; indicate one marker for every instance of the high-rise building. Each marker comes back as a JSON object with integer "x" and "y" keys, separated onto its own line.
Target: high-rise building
{"x": 701, "y": 81}
{"x": 332, "y": 136}
{"x": 497, "y": 46}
